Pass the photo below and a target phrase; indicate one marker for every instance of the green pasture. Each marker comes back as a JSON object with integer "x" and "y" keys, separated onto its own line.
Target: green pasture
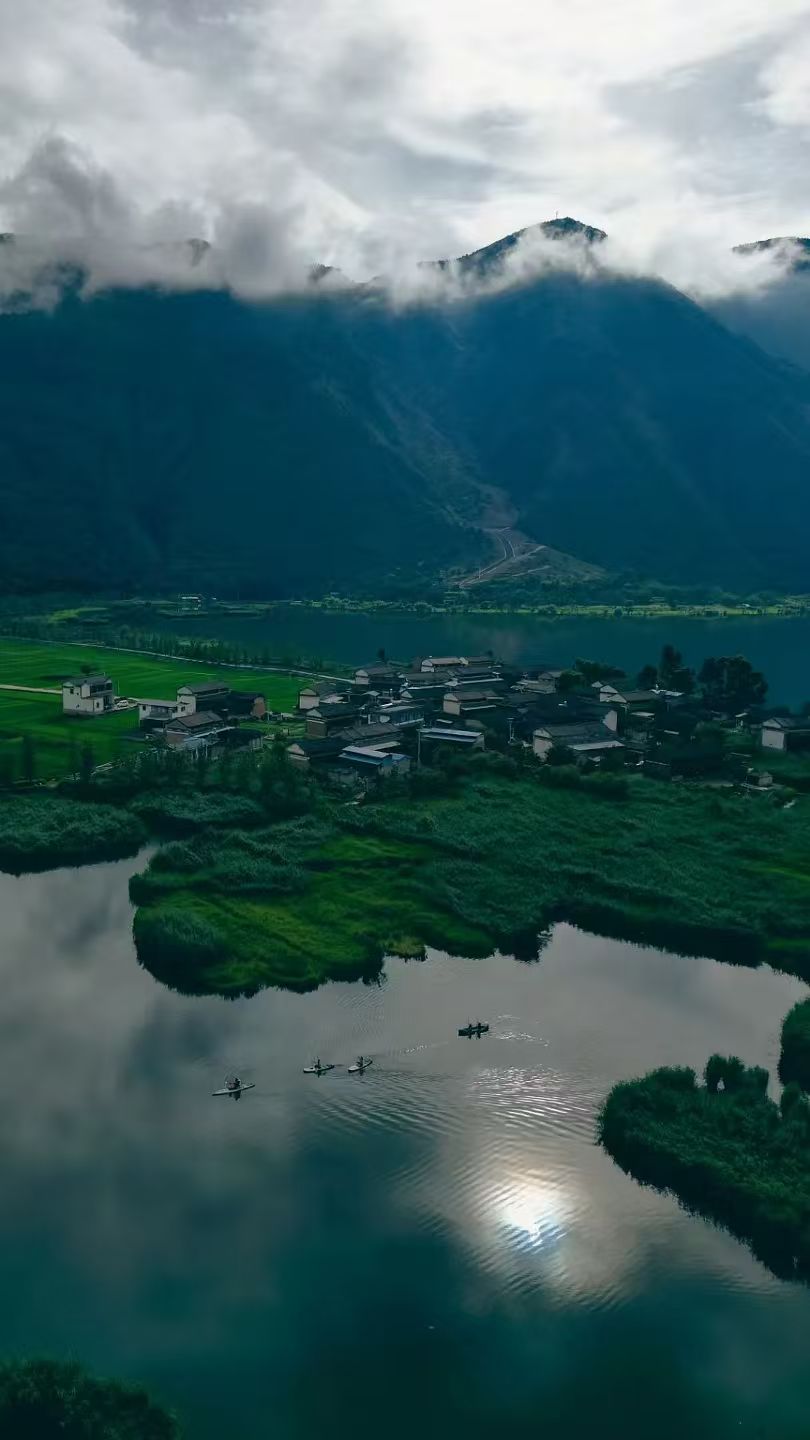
{"x": 57, "y": 738}
{"x": 143, "y": 677}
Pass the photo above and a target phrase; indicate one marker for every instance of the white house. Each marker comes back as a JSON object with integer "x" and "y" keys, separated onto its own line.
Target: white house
{"x": 209, "y": 696}
{"x": 786, "y": 732}
{"x": 322, "y": 692}
{"x": 157, "y": 710}
{"x": 587, "y": 742}
{"x": 198, "y": 731}
{"x": 88, "y": 695}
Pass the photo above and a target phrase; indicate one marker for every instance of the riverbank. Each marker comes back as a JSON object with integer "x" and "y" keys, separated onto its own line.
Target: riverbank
{"x": 729, "y": 1154}
{"x": 489, "y": 865}
{"x": 42, "y": 832}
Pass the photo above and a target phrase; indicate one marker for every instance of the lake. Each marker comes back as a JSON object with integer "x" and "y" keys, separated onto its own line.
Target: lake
{"x": 436, "y": 1247}
{"x": 779, "y": 647}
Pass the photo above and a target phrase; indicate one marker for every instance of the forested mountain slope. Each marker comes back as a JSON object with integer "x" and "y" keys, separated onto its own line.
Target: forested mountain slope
{"x": 156, "y": 441}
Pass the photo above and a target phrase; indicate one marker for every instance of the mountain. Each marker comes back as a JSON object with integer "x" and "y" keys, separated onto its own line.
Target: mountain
{"x": 156, "y": 441}
{"x": 778, "y": 317}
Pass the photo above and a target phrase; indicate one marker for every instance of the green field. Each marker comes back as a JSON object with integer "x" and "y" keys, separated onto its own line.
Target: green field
{"x": 56, "y": 737}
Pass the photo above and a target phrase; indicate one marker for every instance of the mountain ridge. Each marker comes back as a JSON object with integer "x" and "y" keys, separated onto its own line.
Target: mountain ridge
{"x": 332, "y": 440}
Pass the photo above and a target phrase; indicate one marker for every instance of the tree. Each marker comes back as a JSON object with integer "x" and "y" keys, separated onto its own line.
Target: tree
{"x": 7, "y": 769}
{"x": 730, "y": 683}
{"x": 568, "y": 680}
{"x": 43, "y": 1400}
{"x": 670, "y": 663}
{"x": 647, "y": 677}
{"x": 29, "y": 760}
{"x": 381, "y": 655}
{"x": 592, "y": 670}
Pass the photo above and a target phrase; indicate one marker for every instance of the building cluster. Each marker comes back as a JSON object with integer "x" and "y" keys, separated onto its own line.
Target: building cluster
{"x": 453, "y": 700}
{"x": 200, "y": 717}
{"x": 388, "y": 715}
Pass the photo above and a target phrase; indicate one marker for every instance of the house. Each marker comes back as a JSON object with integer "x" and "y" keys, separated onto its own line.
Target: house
{"x": 786, "y": 732}
{"x": 373, "y": 760}
{"x": 546, "y": 682}
{"x": 469, "y": 702}
{"x": 400, "y": 712}
{"x": 88, "y": 695}
{"x": 612, "y": 693}
{"x": 588, "y": 742}
{"x": 247, "y": 704}
{"x": 154, "y": 714}
{"x": 197, "y": 731}
{"x": 322, "y": 691}
{"x": 377, "y": 677}
{"x": 211, "y": 695}
{"x": 464, "y": 739}
{"x": 441, "y": 664}
{"x": 302, "y": 753}
{"x": 328, "y": 717}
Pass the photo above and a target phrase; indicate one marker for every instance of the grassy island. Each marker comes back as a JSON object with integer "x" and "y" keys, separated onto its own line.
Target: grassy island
{"x": 725, "y": 1150}
{"x": 487, "y": 862}
{"x": 44, "y": 832}
{"x": 43, "y": 1400}
{"x": 794, "y": 1061}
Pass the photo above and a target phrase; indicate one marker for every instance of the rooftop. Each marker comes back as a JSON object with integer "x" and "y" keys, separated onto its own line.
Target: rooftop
{"x": 97, "y": 679}
{"x": 788, "y": 722}
{"x": 206, "y": 687}
{"x": 203, "y": 719}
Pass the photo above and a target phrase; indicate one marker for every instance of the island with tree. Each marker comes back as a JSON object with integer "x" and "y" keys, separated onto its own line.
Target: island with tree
{"x": 725, "y": 1149}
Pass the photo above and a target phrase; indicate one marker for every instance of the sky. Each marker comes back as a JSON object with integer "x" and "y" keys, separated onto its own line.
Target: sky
{"x": 367, "y": 135}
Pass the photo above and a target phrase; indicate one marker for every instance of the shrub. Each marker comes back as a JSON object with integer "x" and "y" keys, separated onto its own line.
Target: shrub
{"x": 45, "y": 1400}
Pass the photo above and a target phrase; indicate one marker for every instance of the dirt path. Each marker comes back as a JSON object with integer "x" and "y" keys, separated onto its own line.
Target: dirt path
{"x": 31, "y": 689}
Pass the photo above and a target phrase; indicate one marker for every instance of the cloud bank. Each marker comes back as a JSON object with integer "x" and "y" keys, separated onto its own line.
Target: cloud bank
{"x": 369, "y": 137}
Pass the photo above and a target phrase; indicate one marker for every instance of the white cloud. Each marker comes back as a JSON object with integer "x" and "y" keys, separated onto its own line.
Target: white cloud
{"x": 353, "y": 134}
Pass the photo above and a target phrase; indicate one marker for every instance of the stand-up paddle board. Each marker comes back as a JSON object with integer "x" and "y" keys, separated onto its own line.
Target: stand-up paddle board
{"x": 317, "y": 1069}
{"x": 358, "y": 1069}
{"x": 236, "y": 1090}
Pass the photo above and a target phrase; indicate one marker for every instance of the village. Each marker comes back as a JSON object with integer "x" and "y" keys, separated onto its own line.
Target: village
{"x": 389, "y": 717}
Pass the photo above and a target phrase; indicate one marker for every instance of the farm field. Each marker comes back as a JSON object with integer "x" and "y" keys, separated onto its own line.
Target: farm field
{"x": 56, "y": 738}
{"x": 41, "y": 664}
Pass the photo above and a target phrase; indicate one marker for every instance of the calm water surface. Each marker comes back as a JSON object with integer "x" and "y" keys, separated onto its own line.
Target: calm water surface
{"x": 781, "y": 648}
{"x": 434, "y": 1248}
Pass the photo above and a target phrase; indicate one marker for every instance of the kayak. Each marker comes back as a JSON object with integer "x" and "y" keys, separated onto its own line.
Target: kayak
{"x": 469, "y": 1030}
{"x": 358, "y": 1069}
{"x": 237, "y": 1089}
{"x": 317, "y": 1069}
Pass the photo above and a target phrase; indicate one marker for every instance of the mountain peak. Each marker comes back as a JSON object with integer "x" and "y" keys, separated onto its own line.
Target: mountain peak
{"x": 564, "y": 228}
{"x": 793, "y": 251}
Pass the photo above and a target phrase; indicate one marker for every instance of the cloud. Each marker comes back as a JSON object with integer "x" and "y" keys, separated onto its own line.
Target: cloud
{"x": 361, "y": 136}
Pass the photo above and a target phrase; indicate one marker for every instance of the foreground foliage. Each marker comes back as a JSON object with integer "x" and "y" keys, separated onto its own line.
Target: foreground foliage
{"x": 728, "y": 1153}
{"x": 794, "y": 1062}
{"x": 488, "y": 861}
{"x": 42, "y": 832}
{"x": 43, "y": 1400}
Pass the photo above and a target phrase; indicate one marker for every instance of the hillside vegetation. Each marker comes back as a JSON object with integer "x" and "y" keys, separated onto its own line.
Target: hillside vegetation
{"x": 334, "y": 441}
